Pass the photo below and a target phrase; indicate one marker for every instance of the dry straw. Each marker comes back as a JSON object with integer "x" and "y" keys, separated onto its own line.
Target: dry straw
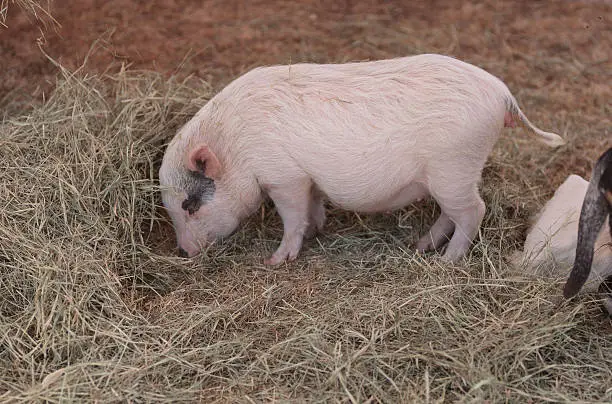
{"x": 95, "y": 307}
{"x": 36, "y": 9}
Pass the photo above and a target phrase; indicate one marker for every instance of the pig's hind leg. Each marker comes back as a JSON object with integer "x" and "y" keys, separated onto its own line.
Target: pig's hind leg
{"x": 292, "y": 202}
{"x": 466, "y": 209}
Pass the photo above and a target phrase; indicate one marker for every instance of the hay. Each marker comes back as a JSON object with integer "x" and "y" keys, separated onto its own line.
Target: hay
{"x": 32, "y": 8}
{"x": 95, "y": 306}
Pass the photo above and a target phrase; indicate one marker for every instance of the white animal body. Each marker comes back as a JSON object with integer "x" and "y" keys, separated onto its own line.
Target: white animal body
{"x": 596, "y": 208}
{"x": 551, "y": 243}
{"x": 368, "y": 137}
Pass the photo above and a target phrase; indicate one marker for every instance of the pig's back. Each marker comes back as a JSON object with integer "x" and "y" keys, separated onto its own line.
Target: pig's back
{"x": 384, "y": 121}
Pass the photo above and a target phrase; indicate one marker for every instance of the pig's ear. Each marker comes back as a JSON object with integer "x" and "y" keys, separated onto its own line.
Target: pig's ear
{"x": 202, "y": 160}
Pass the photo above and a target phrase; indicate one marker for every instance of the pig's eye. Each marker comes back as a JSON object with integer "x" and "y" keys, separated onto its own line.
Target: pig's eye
{"x": 191, "y": 204}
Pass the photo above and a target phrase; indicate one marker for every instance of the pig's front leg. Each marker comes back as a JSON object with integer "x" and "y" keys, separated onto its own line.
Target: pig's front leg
{"x": 292, "y": 203}
{"x": 438, "y": 235}
{"x": 316, "y": 213}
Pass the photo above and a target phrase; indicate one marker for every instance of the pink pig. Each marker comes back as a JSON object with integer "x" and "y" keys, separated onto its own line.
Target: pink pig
{"x": 368, "y": 137}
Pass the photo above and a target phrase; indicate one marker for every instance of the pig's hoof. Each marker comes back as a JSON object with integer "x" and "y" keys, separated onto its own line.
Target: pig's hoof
{"x": 425, "y": 244}
{"x": 276, "y": 260}
{"x": 451, "y": 258}
{"x": 273, "y": 261}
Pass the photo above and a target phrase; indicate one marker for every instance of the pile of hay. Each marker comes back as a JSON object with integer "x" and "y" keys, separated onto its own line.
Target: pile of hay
{"x": 94, "y": 304}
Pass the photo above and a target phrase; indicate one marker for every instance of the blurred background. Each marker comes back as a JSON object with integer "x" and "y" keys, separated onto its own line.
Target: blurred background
{"x": 219, "y": 39}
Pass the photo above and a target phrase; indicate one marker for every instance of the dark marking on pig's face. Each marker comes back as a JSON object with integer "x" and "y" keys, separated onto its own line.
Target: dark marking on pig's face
{"x": 199, "y": 189}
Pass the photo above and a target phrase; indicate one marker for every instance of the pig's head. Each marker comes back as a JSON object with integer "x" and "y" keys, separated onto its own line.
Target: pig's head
{"x": 197, "y": 193}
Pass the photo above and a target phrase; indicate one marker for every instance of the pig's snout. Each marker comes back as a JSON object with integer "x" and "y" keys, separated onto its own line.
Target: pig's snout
{"x": 187, "y": 249}
{"x": 187, "y": 253}
{"x": 188, "y": 243}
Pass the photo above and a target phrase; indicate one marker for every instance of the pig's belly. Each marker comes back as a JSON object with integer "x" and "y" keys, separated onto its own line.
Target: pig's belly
{"x": 370, "y": 202}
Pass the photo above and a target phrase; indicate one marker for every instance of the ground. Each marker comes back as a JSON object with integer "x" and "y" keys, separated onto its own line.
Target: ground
{"x": 94, "y": 305}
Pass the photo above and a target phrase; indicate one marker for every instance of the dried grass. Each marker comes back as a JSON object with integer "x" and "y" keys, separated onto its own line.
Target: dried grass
{"x": 94, "y": 306}
{"x": 32, "y": 8}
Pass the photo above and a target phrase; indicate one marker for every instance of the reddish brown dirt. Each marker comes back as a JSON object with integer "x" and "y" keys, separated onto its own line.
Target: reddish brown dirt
{"x": 226, "y": 37}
